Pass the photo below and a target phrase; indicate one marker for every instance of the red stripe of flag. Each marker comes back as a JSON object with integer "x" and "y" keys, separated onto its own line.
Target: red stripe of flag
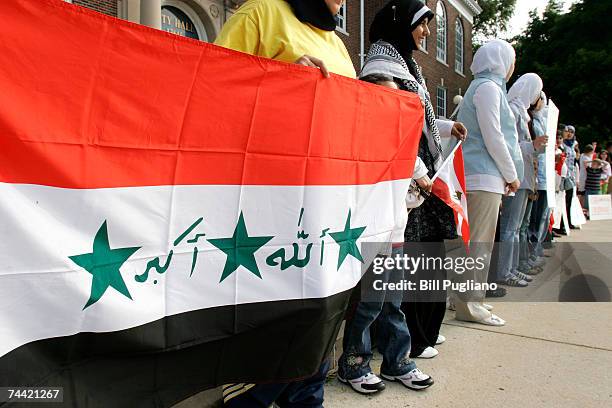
{"x": 90, "y": 101}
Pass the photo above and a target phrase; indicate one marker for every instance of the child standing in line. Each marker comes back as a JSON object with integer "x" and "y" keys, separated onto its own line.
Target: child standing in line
{"x": 594, "y": 172}
{"x": 384, "y": 308}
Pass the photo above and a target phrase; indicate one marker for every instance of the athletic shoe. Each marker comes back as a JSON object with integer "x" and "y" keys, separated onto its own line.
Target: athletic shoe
{"x": 514, "y": 281}
{"x": 415, "y": 379}
{"x": 538, "y": 262}
{"x": 429, "y": 352}
{"x": 534, "y": 271}
{"x": 366, "y": 384}
{"x": 441, "y": 339}
{"x": 524, "y": 276}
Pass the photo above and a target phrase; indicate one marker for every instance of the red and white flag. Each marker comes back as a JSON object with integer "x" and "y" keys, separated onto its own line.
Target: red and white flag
{"x": 449, "y": 186}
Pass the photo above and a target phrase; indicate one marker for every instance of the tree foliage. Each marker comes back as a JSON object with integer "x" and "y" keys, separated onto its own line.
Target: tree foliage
{"x": 572, "y": 52}
{"x": 494, "y": 17}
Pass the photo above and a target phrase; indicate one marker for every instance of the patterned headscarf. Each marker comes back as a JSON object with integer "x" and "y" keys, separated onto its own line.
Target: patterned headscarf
{"x": 384, "y": 59}
{"x": 391, "y": 54}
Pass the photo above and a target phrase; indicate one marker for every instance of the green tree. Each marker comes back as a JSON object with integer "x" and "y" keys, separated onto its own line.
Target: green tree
{"x": 572, "y": 52}
{"x": 494, "y": 18}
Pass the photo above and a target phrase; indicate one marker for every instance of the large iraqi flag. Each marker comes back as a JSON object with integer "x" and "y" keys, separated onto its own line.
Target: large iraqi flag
{"x": 175, "y": 215}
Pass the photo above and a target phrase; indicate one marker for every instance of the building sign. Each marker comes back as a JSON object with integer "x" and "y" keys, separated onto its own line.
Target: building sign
{"x": 177, "y": 22}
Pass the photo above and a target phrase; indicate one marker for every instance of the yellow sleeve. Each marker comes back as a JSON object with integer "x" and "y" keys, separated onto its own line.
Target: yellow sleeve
{"x": 240, "y": 33}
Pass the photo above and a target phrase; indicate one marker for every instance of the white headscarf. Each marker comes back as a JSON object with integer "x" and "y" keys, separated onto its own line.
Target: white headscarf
{"x": 525, "y": 92}
{"x": 495, "y": 57}
{"x": 542, "y": 113}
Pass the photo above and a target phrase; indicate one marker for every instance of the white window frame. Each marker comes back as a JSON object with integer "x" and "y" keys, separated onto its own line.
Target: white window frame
{"x": 441, "y": 33}
{"x": 459, "y": 46}
{"x": 441, "y": 108}
{"x": 341, "y": 18}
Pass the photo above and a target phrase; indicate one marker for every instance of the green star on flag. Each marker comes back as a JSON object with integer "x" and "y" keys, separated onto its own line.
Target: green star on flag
{"x": 240, "y": 250}
{"x": 347, "y": 240}
{"x": 103, "y": 264}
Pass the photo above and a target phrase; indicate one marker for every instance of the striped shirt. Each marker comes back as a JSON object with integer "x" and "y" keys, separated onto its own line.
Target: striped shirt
{"x": 593, "y": 178}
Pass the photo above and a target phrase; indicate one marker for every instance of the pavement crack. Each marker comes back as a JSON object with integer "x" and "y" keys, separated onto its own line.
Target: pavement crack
{"x": 528, "y": 337}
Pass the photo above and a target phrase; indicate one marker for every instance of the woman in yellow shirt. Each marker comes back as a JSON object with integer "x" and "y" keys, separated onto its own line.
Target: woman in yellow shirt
{"x": 301, "y": 32}
{"x": 295, "y": 31}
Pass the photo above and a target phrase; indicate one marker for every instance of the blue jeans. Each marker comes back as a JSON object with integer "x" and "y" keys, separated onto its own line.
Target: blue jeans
{"x": 307, "y": 393}
{"x": 540, "y": 218}
{"x": 525, "y": 250}
{"x": 392, "y": 333}
{"x": 512, "y": 213}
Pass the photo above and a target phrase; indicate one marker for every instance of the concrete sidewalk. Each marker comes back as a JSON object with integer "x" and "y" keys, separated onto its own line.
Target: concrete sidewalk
{"x": 548, "y": 355}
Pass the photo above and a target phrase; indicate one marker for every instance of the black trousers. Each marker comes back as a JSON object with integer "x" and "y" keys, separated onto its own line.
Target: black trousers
{"x": 424, "y": 317}
{"x": 569, "y": 196}
{"x": 424, "y": 320}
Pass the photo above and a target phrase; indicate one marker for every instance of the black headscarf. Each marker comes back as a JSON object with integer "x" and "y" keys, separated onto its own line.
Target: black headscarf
{"x": 315, "y": 13}
{"x": 394, "y": 24}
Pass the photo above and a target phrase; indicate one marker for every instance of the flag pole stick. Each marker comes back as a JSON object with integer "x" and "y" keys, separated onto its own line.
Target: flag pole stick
{"x": 447, "y": 160}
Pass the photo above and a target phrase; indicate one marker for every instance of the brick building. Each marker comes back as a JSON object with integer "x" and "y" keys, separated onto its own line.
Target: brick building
{"x": 445, "y": 62}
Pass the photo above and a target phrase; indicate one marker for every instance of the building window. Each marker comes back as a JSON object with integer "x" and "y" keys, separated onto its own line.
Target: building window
{"x": 341, "y": 20}
{"x": 441, "y": 103}
{"x": 441, "y": 32}
{"x": 459, "y": 46}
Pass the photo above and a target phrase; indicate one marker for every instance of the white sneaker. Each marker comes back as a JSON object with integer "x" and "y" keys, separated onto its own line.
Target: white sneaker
{"x": 429, "y": 352}
{"x": 524, "y": 276}
{"x": 366, "y": 384}
{"x": 441, "y": 339}
{"x": 415, "y": 379}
